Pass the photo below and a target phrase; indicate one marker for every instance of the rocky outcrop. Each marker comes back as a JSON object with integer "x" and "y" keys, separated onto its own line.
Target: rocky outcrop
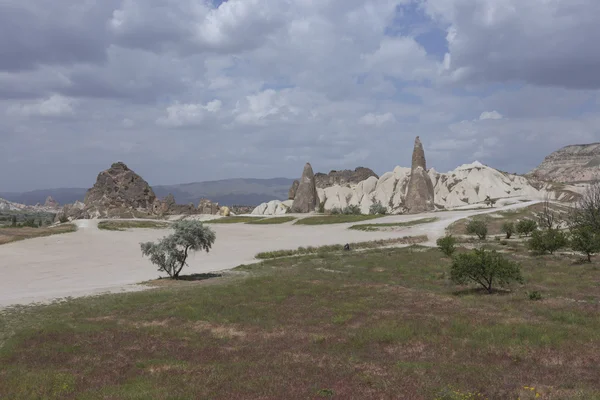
{"x": 72, "y": 212}
{"x": 293, "y": 190}
{"x": 306, "y": 199}
{"x": 345, "y": 177}
{"x": 119, "y": 191}
{"x": 51, "y": 203}
{"x": 420, "y": 194}
{"x": 206, "y": 206}
{"x": 467, "y": 185}
{"x": 274, "y": 207}
{"x": 571, "y": 164}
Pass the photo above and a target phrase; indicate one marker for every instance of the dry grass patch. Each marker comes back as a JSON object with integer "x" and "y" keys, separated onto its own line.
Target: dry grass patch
{"x": 335, "y": 219}
{"x": 8, "y": 235}
{"x": 391, "y": 226}
{"x": 116, "y": 225}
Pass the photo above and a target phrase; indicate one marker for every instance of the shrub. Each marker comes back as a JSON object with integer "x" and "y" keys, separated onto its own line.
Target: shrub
{"x": 335, "y": 211}
{"x": 489, "y": 201}
{"x": 171, "y": 252}
{"x": 447, "y": 245}
{"x": 508, "y": 228}
{"x": 547, "y": 241}
{"x": 63, "y": 219}
{"x": 484, "y": 268}
{"x": 535, "y": 295}
{"x": 477, "y": 227}
{"x": 377, "y": 209}
{"x": 322, "y": 207}
{"x": 526, "y": 227}
{"x": 585, "y": 240}
{"x": 352, "y": 210}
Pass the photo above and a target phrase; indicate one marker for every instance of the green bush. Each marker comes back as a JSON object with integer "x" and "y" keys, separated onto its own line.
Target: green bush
{"x": 535, "y": 295}
{"x": 508, "y": 228}
{"x": 335, "y": 211}
{"x": 585, "y": 240}
{"x": 547, "y": 241}
{"x": 477, "y": 227}
{"x": 447, "y": 245}
{"x": 377, "y": 209}
{"x": 63, "y": 219}
{"x": 352, "y": 210}
{"x": 484, "y": 268}
{"x": 526, "y": 227}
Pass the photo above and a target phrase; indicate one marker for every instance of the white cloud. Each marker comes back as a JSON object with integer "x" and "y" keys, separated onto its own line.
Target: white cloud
{"x": 180, "y": 115}
{"x": 490, "y": 115}
{"x": 55, "y": 106}
{"x": 268, "y": 105}
{"x": 377, "y": 119}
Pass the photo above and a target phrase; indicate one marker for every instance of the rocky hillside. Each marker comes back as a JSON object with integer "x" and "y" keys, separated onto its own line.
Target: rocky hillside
{"x": 49, "y": 207}
{"x": 468, "y": 184}
{"x": 571, "y": 164}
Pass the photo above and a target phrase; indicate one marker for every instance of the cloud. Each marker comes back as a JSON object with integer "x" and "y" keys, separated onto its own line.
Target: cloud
{"x": 55, "y": 106}
{"x": 377, "y": 119}
{"x": 490, "y": 115}
{"x": 541, "y": 42}
{"x": 180, "y": 115}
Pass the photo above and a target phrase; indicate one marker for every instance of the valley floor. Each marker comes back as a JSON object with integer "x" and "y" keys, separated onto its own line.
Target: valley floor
{"x": 92, "y": 261}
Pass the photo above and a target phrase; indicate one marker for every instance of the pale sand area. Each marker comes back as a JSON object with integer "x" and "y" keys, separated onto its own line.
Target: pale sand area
{"x": 92, "y": 261}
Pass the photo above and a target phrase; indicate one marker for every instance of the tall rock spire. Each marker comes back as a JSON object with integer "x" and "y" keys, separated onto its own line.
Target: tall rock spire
{"x": 305, "y": 198}
{"x": 419, "y": 195}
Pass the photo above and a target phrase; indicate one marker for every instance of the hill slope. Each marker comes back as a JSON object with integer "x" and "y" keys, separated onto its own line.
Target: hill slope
{"x": 574, "y": 163}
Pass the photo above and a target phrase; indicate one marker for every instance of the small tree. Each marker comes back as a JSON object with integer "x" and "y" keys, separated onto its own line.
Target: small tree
{"x": 548, "y": 218}
{"x": 526, "y": 226}
{"x": 484, "y": 268}
{"x": 477, "y": 227}
{"x": 587, "y": 210}
{"x": 13, "y": 221}
{"x": 508, "y": 228}
{"x": 377, "y": 209}
{"x": 171, "y": 252}
{"x": 447, "y": 245}
{"x": 547, "y": 241}
{"x": 584, "y": 239}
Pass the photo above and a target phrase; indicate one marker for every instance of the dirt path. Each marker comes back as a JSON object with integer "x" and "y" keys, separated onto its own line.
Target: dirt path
{"x": 92, "y": 261}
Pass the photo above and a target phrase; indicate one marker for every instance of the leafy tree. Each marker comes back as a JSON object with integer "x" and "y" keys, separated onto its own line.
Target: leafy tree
{"x": 377, "y": 209}
{"x": 484, "y": 268}
{"x": 447, "y": 245}
{"x": 13, "y": 221}
{"x": 584, "y": 239}
{"x": 171, "y": 252}
{"x": 508, "y": 228}
{"x": 477, "y": 227}
{"x": 547, "y": 241}
{"x": 526, "y": 226}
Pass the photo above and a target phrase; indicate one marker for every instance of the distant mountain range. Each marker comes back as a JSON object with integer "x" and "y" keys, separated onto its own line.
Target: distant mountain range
{"x": 248, "y": 192}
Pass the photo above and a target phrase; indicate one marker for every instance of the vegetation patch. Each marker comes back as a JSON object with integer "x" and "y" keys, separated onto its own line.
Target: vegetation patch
{"x": 391, "y": 226}
{"x": 9, "y": 234}
{"x": 271, "y": 221}
{"x": 233, "y": 220}
{"x": 388, "y": 323}
{"x": 339, "y": 247}
{"x": 335, "y": 219}
{"x": 119, "y": 225}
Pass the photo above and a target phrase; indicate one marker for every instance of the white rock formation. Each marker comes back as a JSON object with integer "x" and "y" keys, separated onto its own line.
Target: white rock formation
{"x": 466, "y": 185}
{"x": 274, "y": 207}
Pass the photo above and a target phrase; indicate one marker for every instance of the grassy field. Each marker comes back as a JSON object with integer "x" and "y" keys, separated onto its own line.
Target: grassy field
{"x": 391, "y": 226}
{"x": 496, "y": 220}
{"x": 271, "y": 221}
{"x": 117, "y": 225}
{"x": 8, "y": 234}
{"x": 340, "y": 247}
{"x": 334, "y": 219}
{"x": 378, "y": 324}
{"x": 233, "y": 220}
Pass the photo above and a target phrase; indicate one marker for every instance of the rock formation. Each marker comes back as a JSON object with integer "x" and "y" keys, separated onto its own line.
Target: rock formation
{"x": 306, "y": 199}
{"x": 206, "y": 206}
{"x": 345, "y": 177}
{"x": 571, "y": 164}
{"x": 51, "y": 203}
{"x": 119, "y": 191}
{"x": 420, "y": 194}
{"x": 293, "y": 190}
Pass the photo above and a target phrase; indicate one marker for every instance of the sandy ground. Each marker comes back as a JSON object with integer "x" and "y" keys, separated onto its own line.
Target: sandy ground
{"x": 92, "y": 261}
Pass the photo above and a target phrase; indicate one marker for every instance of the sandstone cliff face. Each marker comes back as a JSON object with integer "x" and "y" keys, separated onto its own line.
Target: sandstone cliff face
{"x": 575, "y": 163}
{"x": 119, "y": 191}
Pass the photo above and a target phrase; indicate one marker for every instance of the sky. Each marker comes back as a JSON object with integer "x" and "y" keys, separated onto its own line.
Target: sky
{"x": 194, "y": 90}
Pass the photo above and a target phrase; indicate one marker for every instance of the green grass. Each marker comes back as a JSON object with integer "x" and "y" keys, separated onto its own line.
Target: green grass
{"x": 233, "y": 220}
{"x": 9, "y": 234}
{"x": 379, "y": 227}
{"x": 272, "y": 221}
{"x": 340, "y": 247}
{"x": 334, "y": 219}
{"x": 117, "y": 225}
{"x": 382, "y": 323}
